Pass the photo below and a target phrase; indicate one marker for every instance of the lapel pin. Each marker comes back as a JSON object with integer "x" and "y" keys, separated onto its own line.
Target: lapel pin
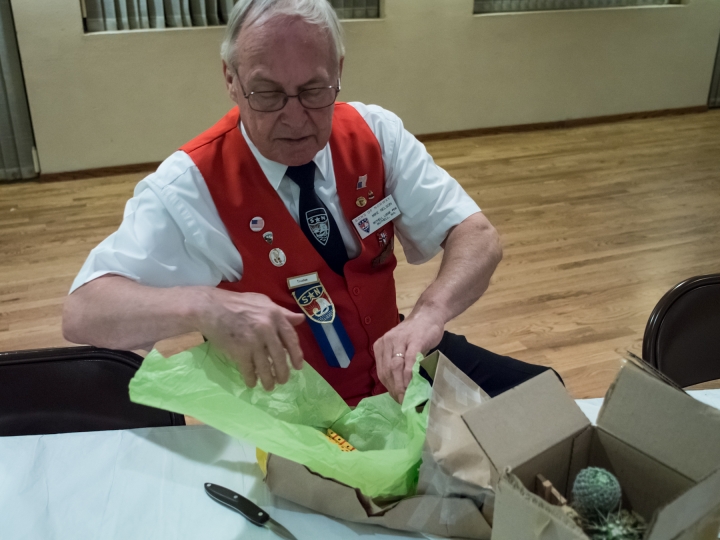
{"x": 371, "y": 195}
{"x": 382, "y": 238}
{"x": 268, "y": 236}
{"x": 362, "y": 182}
{"x": 361, "y": 201}
{"x": 257, "y": 224}
{"x": 277, "y": 257}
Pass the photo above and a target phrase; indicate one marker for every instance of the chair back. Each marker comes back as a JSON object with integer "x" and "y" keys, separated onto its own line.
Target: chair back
{"x": 682, "y": 336}
{"x": 72, "y": 389}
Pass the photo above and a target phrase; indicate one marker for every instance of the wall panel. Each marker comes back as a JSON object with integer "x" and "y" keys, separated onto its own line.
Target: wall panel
{"x": 132, "y": 97}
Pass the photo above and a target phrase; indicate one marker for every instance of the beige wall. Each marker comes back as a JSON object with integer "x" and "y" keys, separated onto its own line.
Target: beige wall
{"x": 113, "y": 99}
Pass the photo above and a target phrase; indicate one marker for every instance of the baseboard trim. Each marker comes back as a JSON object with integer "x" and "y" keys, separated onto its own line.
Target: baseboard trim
{"x": 151, "y": 166}
{"x": 579, "y": 122}
{"x": 99, "y": 172}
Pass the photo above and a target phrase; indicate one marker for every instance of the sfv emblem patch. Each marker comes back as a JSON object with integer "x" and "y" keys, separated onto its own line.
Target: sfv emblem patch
{"x": 315, "y": 303}
{"x": 364, "y": 224}
{"x": 319, "y": 225}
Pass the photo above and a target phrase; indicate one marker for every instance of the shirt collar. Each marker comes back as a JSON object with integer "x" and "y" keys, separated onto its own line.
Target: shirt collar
{"x": 275, "y": 171}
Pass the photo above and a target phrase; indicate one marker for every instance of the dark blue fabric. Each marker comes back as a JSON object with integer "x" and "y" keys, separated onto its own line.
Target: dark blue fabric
{"x": 492, "y": 372}
{"x": 316, "y": 221}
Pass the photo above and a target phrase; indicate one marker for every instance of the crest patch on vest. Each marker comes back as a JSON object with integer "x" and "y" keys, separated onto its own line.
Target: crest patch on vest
{"x": 319, "y": 224}
{"x": 315, "y": 303}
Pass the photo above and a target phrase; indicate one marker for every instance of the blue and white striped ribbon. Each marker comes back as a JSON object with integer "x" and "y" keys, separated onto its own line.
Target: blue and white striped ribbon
{"x": 334, "y": 342}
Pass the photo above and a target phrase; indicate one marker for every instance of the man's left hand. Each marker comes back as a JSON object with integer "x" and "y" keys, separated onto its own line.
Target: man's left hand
{"x": 472, "y": 251}
{"x": 395, "y": 352}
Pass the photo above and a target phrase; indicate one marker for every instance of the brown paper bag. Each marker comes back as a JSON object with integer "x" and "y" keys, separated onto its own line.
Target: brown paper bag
{"x": 454, "y": 464}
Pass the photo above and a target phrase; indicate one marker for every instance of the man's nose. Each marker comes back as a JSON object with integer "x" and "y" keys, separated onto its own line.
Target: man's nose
{"x": 294, "y": 112}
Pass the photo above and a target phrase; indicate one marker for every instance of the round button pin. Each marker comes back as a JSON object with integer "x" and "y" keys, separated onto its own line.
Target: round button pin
{"x": 257, "y": 224}
{"x": 277, "y": 257}
{"x": 361, "y": 201}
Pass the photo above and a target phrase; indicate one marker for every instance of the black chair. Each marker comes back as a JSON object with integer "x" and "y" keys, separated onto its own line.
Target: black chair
{"x": 682, "y": 336}
{"x": 72, "y": 389}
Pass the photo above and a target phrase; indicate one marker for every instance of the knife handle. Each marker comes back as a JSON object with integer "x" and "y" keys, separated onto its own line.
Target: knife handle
{"x": 240, "y": 504}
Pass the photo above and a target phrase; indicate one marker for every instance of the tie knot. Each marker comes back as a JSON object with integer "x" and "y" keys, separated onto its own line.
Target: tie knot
{"x": 303, "y": 175}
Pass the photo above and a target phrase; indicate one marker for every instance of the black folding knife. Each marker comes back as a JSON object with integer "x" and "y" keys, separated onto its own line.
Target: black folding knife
{"x": 251, "y": 511}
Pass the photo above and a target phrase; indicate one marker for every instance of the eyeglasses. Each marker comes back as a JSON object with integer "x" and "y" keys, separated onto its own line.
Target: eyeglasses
{"x": 311, "y": 98}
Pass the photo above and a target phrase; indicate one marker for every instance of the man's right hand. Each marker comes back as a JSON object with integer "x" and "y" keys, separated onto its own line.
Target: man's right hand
{"x": 118, "y": 313}
{"x": 253, "y": 331}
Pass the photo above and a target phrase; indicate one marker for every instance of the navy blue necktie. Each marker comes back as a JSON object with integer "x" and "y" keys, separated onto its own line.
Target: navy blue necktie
{"x": 316, "y": 221}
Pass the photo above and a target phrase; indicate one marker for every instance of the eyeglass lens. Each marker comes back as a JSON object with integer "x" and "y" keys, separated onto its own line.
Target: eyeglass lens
{"x": 312, "y": 98}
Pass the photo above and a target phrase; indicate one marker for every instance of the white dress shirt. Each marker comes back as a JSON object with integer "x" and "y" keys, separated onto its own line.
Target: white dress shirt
{"x": 172, "y": 234}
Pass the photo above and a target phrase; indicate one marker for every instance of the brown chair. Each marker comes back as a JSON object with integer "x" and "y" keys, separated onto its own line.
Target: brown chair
{"x": 682, "y": 336}
{"x": 72, "y": 389}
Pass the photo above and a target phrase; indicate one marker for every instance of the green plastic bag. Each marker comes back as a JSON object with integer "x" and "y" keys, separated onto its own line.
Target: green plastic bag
{"x": 291, "y": 420}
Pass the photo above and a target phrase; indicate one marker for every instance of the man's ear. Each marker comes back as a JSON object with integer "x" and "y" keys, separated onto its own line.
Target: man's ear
{"x": 340, "y": 66}
{"x": 229, "y": 75}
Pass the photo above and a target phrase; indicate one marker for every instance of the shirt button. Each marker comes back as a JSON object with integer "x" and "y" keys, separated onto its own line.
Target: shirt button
{"x": 356, "y": 291}
{"x": 368, "y": 320}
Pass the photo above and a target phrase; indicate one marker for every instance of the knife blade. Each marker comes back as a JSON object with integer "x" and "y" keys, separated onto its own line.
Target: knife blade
{"x": 244, "y": 506}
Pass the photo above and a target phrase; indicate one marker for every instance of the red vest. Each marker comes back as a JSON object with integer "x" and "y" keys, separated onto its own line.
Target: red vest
{"x": 365, "y": 298}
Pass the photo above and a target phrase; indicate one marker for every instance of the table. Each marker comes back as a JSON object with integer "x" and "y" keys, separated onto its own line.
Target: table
{"x": 148, "y": 484}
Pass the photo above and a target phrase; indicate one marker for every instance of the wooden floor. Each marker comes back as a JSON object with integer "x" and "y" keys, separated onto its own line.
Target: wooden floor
{"x": 597, "y": 223}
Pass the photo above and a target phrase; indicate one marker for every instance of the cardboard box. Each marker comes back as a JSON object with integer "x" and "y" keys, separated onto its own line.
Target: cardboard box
{"x": 448, "y": 499}
{"x": 663, "y": 446}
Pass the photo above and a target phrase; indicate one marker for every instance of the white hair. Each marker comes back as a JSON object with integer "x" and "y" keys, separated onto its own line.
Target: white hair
{"x": 318, "y": 12}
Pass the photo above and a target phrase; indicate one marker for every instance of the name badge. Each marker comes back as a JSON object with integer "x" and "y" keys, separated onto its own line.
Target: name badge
{"x": 374, "y": 218}
{"x": 299, "y": 281}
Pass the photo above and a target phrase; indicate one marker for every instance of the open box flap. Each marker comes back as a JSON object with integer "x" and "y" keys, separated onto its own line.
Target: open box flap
{"x": 523, "y": 422}
{"x": 653, "y": 418}
{"x": 700, "y": 502}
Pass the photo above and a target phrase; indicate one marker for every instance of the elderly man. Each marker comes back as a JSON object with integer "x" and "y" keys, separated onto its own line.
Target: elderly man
{"x": 273, "y": 231}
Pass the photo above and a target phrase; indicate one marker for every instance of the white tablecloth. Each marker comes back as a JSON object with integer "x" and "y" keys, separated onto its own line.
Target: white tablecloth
{"x": 148, "y": 484}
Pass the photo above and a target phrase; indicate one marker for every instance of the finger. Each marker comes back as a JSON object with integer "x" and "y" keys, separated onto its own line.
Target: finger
{"x": 262, "y": 368}
{"x": 292, "y": 317}
{"x": 247, "y": 367}
{"x": 279, "y": 360}
{"x": 381, "y": 364}
{"x": 290, "y": 341}
{"x": 410, "y": 356}
{"x": 397, "y": 375}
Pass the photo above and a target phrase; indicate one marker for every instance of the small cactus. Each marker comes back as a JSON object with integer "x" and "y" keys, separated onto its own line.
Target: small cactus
{"x": 596, "y": 493}
{"x": 622, "y": 525}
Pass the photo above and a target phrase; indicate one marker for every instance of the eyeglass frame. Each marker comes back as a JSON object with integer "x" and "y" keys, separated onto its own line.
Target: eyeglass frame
{"x": 288, "y": 96}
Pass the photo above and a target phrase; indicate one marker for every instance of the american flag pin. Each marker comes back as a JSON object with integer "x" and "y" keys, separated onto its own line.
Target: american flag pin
{"x": 257, "y": 224}
{"x": 362, "y": 182}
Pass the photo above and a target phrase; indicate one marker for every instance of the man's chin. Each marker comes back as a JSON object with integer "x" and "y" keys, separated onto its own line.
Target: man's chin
{"x": 294, "y": 153}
